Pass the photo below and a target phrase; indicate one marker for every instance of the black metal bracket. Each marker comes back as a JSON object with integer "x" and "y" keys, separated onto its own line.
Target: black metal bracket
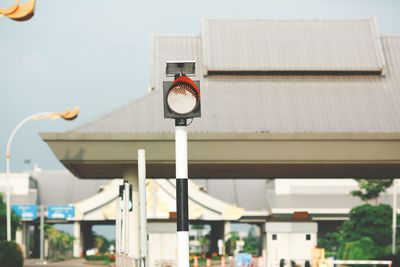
{"x": 180, "y": 122}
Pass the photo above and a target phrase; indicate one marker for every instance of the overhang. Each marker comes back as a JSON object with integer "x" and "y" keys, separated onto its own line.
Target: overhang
{"x": 232, "y": 155}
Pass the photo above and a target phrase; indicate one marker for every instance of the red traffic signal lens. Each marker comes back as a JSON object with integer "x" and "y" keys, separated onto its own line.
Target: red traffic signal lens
{"x": 183, "y": 96}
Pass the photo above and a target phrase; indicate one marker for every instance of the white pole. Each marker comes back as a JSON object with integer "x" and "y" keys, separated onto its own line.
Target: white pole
{"x": 117, "y": 225}
{"x": 41, "y": 234}
{"x": 121, "y": 227}
{"x": 124, "y": 220}
{"x": 394, "y": 217}
{"x": 182, "y": 195}
{"x": 131, "y": 232}
{"x": 8, "y": 192}
{"x": 77, "y": 247}
{"x": 142, "y": 204}
{"x": 118, "y": 221}
{"x": 134, "y": 217}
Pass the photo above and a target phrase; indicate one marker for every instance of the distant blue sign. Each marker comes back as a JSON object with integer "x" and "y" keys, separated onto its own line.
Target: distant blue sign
{"x": 60, "y": 212}
{"x": 26, "y": 212}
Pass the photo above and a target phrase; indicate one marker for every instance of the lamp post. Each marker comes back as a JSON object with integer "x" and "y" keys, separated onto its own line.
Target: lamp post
{"x": 66, "y": 115}
{"x": 181, "y": 102}
{"x": 394, "y": 216}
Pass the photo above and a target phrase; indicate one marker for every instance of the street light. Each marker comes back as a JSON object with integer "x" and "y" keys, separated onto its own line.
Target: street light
{"x": 66, "y": 115}
{"x": 181, "y": 102}
{"x": 19, "y": 12}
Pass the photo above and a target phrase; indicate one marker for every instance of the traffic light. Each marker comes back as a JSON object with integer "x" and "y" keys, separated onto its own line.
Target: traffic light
{"x": 181, "y": 96}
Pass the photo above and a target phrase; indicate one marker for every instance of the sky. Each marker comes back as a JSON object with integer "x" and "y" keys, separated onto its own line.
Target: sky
{"x": 95, "y": 54}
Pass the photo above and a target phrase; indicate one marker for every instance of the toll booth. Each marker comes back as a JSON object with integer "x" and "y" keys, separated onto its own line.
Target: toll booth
{"x": 290, "y": 241}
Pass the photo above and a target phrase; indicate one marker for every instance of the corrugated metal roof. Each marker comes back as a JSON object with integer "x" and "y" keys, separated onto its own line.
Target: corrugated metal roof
{"x": 270, "y": 103}
{"x": 291, "y": 45}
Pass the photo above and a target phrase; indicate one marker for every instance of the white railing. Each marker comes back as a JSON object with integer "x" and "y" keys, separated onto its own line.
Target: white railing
{"x": 354, "y": 262}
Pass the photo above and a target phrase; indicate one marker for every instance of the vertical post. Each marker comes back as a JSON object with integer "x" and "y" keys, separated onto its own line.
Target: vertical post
{"x": 118, "y": 223}
{"x": 41, "y": 233}
{"x": 77, "y": 248}
{"x": 142, "y": 204}
{"x": 182, "y": 195}
{"x": 8, "y": 198}
{"x": 131, "y": 176}
{"x": 125, "y": 233}
{"x": 394, "y": 217}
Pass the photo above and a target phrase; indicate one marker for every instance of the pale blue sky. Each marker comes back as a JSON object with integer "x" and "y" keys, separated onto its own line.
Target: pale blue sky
{"x": 95, "y": 54}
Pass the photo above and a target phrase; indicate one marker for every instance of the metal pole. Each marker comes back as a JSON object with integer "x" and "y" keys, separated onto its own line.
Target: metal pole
{"x": 142, "y": 203}
{"x": 394, "y": 217}
{"x": 8, "y": 192}
{"x": 125, "y": 217}
{"x": 182, "y": 195}
{"x": 118, "y": 220}
{"x": 41, "y": 234}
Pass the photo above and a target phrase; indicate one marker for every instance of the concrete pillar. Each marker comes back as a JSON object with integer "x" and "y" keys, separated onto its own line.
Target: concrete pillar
{"x": 20, "y": 240}
{"x": 217, "y": 232}
{"x": 264, "y": 245}
{"x": 77, "y": 248}
{"x": 227, "y": 230}
{"x": 131, "y": 176}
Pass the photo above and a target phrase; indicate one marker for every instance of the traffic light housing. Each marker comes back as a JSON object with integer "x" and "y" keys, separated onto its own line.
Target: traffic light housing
{"x": 181, "y": 98}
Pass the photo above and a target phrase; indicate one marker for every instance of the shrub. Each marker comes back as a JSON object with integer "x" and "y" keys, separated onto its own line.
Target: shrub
{"x": 10, "y": 254}
{"x": 363, "y": 249}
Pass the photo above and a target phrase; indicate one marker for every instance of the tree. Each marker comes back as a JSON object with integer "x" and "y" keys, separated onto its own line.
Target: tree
{"x": 370, "y": 189}
{"x": 15, "y": 221}
{"x": 330, "y": 242}
{"x": 60, "y": 243}
{"x": 102, "y": 243}
{"x": 368, "y": 232}
{"x": 252, "y": 242}
{"x": 370, "y": 221}
{"x": 230, "y": 243}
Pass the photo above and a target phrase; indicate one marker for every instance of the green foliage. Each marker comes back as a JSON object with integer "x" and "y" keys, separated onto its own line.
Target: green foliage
{"x": 370, "y": 189}
{"x": 15, "y": 221}
{"x": 368, "y": 232}
{"x": 252, "y": 242}
{"x": 102, "y": 243}
{"x": 60, "y": 243}
{"x": 10, "y": 254}
{"x": 366, "y": 235}
{"x": 369, "y": 221}
{"x": 230, "y": 244}
{"x": 363, "y": 249}
{"x": 331, "y": 241}
{"x": 100, "y": 258}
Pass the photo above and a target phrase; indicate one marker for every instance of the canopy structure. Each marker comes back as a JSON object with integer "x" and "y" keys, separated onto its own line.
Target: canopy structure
{"x": 280, "y": 99}
{"x": 160, "y": 203}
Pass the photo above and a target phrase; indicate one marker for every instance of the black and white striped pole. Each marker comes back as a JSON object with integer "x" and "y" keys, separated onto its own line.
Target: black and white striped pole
{"x": 181, "y": 102}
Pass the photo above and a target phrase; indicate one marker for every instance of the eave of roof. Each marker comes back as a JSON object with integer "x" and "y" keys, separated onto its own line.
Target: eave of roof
{"x": 232, "y": 155}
